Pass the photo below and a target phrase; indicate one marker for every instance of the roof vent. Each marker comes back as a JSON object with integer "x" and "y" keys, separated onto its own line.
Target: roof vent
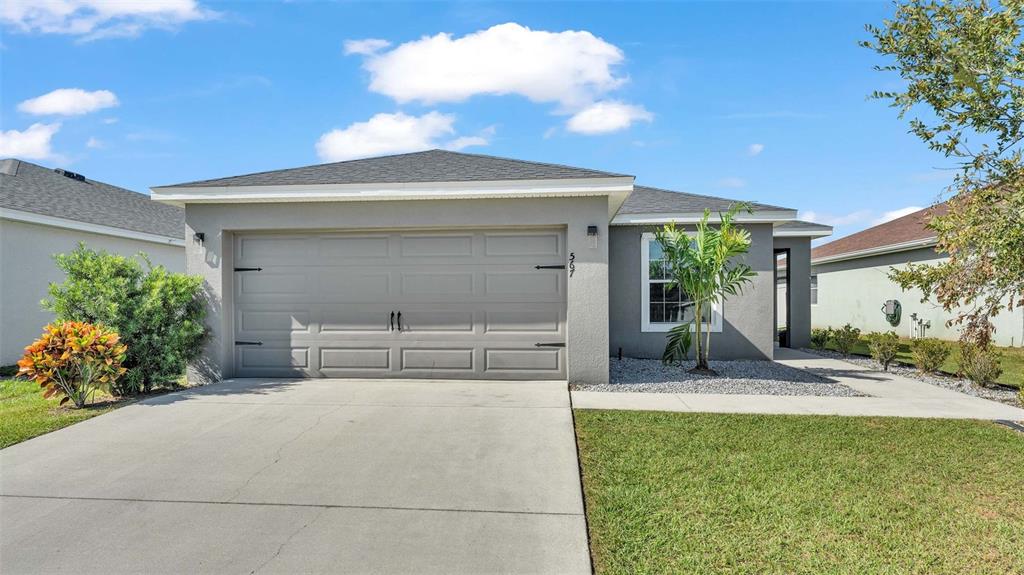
{"x": 9, "y": 167}
{"x": 72, "y": 175}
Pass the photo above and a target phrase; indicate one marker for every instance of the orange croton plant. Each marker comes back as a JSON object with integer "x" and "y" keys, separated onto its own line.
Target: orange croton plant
{"x": 74, "y": 359}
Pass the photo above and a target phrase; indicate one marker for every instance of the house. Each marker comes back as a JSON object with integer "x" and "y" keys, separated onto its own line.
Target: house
{"x": 45, "y": 212}
{"x": 850, "y": 283}
{"x": 440, "y": 264}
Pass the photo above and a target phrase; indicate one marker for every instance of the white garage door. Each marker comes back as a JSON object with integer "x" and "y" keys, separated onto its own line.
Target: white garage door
{"x": 456, "y": 304}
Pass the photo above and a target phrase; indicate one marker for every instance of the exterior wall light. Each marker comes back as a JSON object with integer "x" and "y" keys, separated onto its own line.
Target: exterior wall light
{"x": 592, "y": 235}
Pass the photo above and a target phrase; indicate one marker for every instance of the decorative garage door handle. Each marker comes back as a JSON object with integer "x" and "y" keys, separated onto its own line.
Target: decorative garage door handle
{"x": 549, "y": 345}
{"x": 399, "y": 321}
{"x": 248, "y": 343}
{"x": 392, "y": 323}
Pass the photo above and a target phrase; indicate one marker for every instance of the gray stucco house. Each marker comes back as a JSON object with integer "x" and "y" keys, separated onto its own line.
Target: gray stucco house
{"x": 45, "y": 212}
{"x": 439, "y": 264}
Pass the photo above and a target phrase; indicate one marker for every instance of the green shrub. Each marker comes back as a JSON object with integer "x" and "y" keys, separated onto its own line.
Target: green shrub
{"x": 157, "y": 313}
{"x": 74, "y": 359}
{"x": 845, "y": 338}
{"x": 884, "y": 347}
{"x": 980, "y": 363}
{"x": 677, "y": 349}
{"x": 929, "y": 353}
{"x": 820, "y": 337}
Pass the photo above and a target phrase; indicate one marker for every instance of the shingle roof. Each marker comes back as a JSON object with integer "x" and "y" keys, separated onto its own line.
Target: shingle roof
{"x": 28, "y": 187}
{"x": 646, "y": 200}
{"x": 802, "y": 226}
{"x": 428, "y": 166}
{"x": 909, "y": 228}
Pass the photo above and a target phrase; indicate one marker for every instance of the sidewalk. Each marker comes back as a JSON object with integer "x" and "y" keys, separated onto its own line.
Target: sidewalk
{"x": 892, "y": 395}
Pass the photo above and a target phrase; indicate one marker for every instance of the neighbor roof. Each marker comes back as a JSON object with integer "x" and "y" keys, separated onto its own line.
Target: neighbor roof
{"x": 28, "y": 187}
{"x": 896, "y": 234}
{"x": 647, "y": 200}
{"x": 428, "y": 166}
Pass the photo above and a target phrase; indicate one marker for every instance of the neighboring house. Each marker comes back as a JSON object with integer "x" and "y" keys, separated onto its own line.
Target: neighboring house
{"x": 44, "y": 212}
{"x": 851, "y": 283}
{"x": 448, "y": 265}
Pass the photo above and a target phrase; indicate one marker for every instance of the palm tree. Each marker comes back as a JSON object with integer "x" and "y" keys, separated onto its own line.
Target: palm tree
{"x": 701, "y": 264}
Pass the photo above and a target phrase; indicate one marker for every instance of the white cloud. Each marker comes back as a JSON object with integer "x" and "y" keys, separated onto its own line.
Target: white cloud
{"x": 365, "y": 47}
{"x": 856, "y": 217}
{"x": 755, "y": 149}
{"x": 571, "y": 68}
{"x": 393, "y": 134}
{"x": 892, "y": 215}
{"x": 30, "y": 144}
{"x": 94, "y": 143}
{"x": 95, "y": 19}
{"x": 69, "y": 102}
{"x": 109, "y": 121}
{"x": 731, "y": 182}
{"x": 606, "y": 117}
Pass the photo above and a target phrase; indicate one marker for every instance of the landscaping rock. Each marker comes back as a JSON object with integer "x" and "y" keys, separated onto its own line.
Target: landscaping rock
{"x": 748, "y": 377}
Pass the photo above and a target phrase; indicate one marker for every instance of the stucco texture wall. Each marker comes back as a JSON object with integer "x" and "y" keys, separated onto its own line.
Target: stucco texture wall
{"x": 26, "y": 261}
{"x": 587, "y": 307}
{"x": 853, "y": 291}
{"x": 747, "y": 327}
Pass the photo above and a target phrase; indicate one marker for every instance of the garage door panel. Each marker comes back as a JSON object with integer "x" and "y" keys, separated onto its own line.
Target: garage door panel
{"x": 354, "y": 319}
{"x": 523, "y": 244}
{"x": 273, "y": 283}
{"x": 279, "y": 357}
{"x": 436, "y": 245}
{"x": 540, "y": 359}
{"x": 445, "y": 284}
{"x": 258, "y": 321}
{"x": 473, "y": 304}
{"x": 428, "y": 321}
{"x": 437, "y": 358}
{"x": 523, "y": 321}
{"x": 341, "y": 249}
{"x": 369, "y": 358}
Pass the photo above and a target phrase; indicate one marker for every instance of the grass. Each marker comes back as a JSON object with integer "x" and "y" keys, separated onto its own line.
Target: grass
{"x": 24, "y": 413}
{"x": 1012, "y": 362}
{"x": 708, "y": 493}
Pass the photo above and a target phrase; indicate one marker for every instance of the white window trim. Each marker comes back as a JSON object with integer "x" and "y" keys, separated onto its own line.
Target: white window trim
{"x": 645, "y": 296}
{"x": 815, "y": 289}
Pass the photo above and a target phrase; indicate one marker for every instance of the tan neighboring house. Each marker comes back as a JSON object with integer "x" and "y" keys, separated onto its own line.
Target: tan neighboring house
{"x": 850, "y": 283}
{"x": 45, "y": 211}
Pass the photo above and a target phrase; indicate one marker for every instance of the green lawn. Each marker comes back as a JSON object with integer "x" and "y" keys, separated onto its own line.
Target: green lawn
{"x": 1013, "y": 360}
{"x": 24, "y": 413}
{"x": 707, "y": 493}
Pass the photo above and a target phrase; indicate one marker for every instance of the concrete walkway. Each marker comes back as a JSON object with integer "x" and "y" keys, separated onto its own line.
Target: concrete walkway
{"x": 892, "y": 395}
{"x": 321, "y": 476}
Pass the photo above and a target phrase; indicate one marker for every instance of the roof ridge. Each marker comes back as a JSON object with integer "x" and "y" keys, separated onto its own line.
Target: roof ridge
{"x": 708, "y": 196}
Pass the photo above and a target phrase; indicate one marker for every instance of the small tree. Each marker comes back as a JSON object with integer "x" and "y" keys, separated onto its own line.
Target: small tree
{"x": 704, "y": 265}
{"x": 157, "y": 313}
{"x": 75, "y": 360}
{"x": 884, "y": 347}
{"x": 962, "y": 71}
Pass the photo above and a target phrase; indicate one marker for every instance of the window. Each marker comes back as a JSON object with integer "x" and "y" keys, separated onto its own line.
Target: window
{"x": 664, "y": 304}
{"x": 814, "y": 290}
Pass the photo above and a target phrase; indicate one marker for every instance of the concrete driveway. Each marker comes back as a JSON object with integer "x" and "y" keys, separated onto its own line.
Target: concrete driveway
{"x": 276, "y": 476}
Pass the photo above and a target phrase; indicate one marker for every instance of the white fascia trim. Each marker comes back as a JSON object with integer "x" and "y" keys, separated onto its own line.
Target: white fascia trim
{"x": 892, "y": 248}
{"x": 646, "y": 325}
{"x": 617, "y": 186}
{"x": 53, "y": 221}
{"x": 793, "y": 233}
{"x": 760, "y": 217}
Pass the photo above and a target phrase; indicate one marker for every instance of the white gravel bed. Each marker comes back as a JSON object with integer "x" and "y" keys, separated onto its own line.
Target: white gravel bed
{"x": 949, "y": 382}
{"x": 735, "y": 377}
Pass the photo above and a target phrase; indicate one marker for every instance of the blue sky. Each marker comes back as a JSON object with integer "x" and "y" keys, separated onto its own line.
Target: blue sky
{"x": 761, "y": 101}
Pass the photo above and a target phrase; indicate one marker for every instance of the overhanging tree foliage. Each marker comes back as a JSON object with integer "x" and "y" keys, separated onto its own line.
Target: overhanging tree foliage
{"x": 962, "y": 65}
